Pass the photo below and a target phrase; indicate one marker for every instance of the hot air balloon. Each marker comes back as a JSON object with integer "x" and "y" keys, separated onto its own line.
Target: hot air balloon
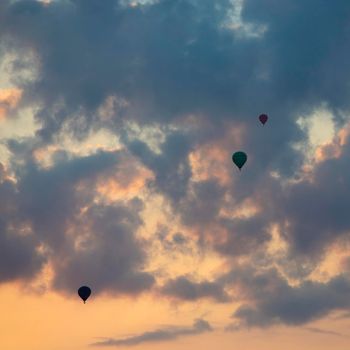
{"x": 263, "y": 118}
{"x": 239, "y": 158}
{"x": 84, "y": 293}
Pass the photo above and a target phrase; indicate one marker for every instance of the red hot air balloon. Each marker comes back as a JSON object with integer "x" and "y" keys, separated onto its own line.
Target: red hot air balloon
{"x": 263, "y": 118}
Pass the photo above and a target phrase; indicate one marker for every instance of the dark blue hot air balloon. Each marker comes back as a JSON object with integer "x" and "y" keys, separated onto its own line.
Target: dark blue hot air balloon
{"x": 84, "y": 293}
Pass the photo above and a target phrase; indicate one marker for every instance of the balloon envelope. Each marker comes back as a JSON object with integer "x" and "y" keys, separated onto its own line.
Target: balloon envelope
{"x": 263, "y": 118}
{"x": 84, "y": 292}
{"x": 239, "y": 158}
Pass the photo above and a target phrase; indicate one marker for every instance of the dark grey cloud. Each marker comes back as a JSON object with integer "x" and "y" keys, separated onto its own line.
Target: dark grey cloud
{"x": 160, "y": 335}
{"x": 317, "y": 210}
{"x": 135, "y": 53}
{"x": 20, "y": 258}
{"x": 48, "y": 197}
{"x": 181, "y": 288}
{"x": 178, "y": 238}
{"x": 311, "y": 214}
{"x": 271, "y": 300}
{"x": 89, "y": 51}
{"x": 201, "y": 209}
{"x": 202, "y": 204}
{"x": 85, "y": 242}
{"x": 110, "y": 258}
{"x": 323, "y": 331}
{"x": 243, "y": 236}
{"x": 171, "y": 168}
{"x": 302, "y": 43}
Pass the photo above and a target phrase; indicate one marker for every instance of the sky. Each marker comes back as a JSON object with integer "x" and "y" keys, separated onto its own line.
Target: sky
{"x": 118, "y": 121}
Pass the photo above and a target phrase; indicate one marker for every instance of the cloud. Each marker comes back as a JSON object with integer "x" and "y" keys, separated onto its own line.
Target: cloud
{"x": 202, "y": 203}
{"x": 84, "y": 240}
{"x": 20, "y": 258}
{"x": 271, "y": 300}
{"x": 109, "y": 258}
{"x": 208, "y": 68}
{"x": 9, "y": 99}
{"x": 323, "y": 331}
{"x": 315, "y": 208}
{"x": 182, "y": 288}
{"x": 171, "y": 167}
{"x": 163, "y": 334}
{"x": 49, "y": 198}
{"x": 178, "y": 67}
{"x": 203, "y": 68}
{"x": 306, "y": 68}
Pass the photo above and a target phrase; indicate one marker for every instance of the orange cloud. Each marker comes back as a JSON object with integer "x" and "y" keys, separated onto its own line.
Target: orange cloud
{"x": 127, "y": 182}
{"x": 334, "y": 148}
{"x": 204, "y": 160}
{"x": 213, "y": 160}
{"x": 9, "y": 99}
{"x": 43, "y": 155}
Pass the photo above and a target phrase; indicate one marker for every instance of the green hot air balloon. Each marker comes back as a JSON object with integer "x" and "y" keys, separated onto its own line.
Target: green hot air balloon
{"x": 239, "y": 158}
